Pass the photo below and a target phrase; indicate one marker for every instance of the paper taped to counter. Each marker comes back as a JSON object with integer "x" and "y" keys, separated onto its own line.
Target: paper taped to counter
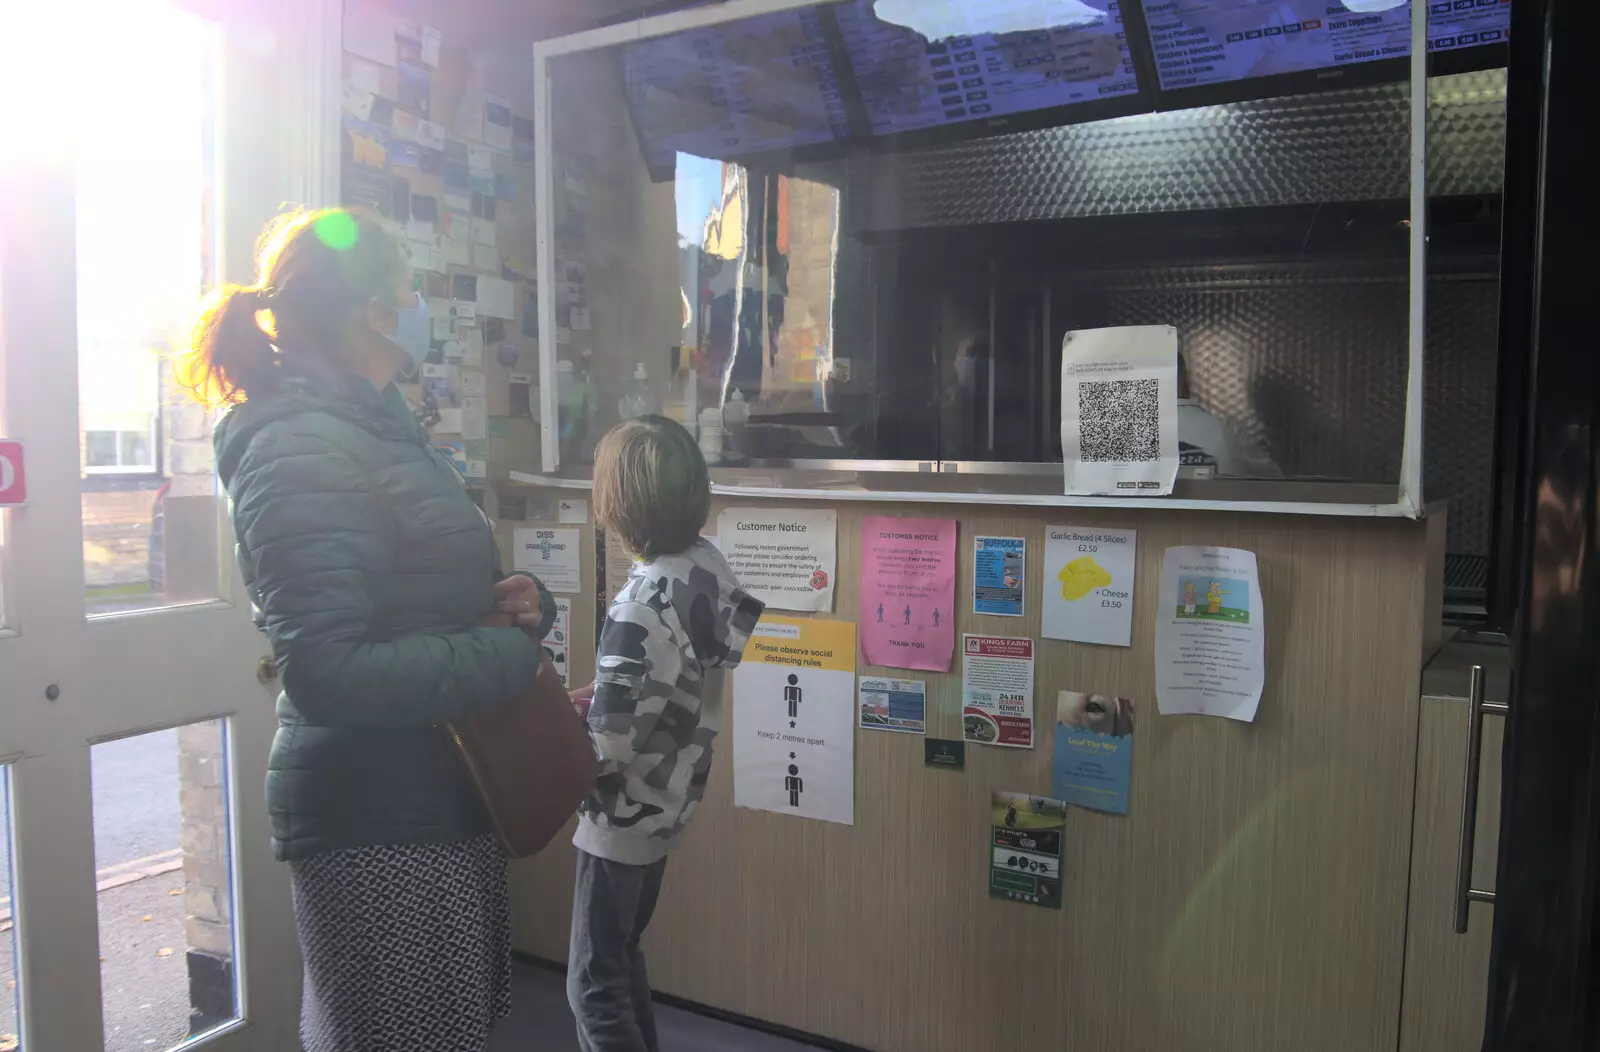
{"x": 1119, "y": 410}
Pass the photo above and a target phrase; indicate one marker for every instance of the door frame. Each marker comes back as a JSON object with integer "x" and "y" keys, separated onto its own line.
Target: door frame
{"x": 120, "y": 675}
{"x": 1544, "y": 981}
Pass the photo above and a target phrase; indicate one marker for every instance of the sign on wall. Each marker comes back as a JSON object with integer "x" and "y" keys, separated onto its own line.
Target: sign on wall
{"x": 13, "y": 474}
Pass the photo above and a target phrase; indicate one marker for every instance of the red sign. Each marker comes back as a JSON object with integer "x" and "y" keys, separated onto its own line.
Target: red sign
{"x": 13, "y": 476}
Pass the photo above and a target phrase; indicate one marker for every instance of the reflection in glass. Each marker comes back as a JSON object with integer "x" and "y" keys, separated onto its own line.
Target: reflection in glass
{"x": 144, "y": 233}
{"x": 163, "y": 864}
{"x": 10, "y": 1027}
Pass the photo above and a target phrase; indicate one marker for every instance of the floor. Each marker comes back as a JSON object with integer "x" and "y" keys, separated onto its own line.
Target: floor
{"x": 541, "y": 1022}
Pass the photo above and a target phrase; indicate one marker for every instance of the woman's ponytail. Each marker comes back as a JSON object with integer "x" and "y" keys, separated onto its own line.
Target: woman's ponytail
{"x": 229, "y": 353}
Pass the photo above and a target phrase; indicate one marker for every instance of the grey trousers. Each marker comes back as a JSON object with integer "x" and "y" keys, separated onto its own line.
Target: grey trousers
{"x": 607, "y": 985}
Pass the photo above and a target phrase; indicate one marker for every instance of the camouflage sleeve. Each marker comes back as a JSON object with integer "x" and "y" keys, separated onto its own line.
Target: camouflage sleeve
{"x": 637, "y": 665}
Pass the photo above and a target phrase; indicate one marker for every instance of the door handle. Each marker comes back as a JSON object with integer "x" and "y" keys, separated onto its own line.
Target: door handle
{"x": 1477, "y": 709}
{"x": 266, "y": 670}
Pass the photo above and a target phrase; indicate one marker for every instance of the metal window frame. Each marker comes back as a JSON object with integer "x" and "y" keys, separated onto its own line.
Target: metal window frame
{"x": 1409, "y": 502}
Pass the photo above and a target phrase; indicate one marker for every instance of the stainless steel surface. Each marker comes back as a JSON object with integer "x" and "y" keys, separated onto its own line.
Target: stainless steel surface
{"x": 1309, "y": 360}
{"x": 1337, "y": 146}
{"x": 1477, "y": 708}
{"x": 1411, "y": 482}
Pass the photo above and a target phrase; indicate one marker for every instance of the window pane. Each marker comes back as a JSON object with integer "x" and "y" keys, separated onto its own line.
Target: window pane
{"x": 151, "y": 513}
{"x": 9, "y": 1028}
{"x": 100, "y": 449}
{"x": 135, "y": 450}
{"x": 163, "y": 861}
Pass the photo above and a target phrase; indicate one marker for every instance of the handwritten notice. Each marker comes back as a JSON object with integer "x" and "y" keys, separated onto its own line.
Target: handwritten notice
{"x": 1088, "y": 584}
{"x": 908, "y": 592}
{"x": 1210, "y": 634}
{"x": 785, "y": 558}
{"x": 997, "y": 691}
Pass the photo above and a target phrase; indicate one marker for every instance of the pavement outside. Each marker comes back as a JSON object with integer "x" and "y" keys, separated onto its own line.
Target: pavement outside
{"x": 144, "y": 971}
{"x": 144, "y": 979}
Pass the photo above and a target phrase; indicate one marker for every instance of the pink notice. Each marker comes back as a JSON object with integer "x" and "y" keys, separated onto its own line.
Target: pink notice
{"x": 908, "y": 592}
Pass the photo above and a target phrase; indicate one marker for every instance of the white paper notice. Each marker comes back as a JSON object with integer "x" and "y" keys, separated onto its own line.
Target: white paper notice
{"x": 572, "y": 512}
{"x": 1119, "y": 410}
{"x": 1210, "y": 634}
{"x": 553, "y": 556}
{"x": 474, "y": 419}
{"x": 369, "y": 33}
{"x": 497, "y": 298}
{"x": 794, "y": 720}
{"x": 1088, "y": 584}
{"x": 786, "y": 559}
{"x": 997, "y": 691}
{"x": 556, "y": 642}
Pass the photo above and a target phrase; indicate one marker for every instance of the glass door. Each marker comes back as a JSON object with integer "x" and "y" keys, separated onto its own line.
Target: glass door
{"x": 139, "y": 905}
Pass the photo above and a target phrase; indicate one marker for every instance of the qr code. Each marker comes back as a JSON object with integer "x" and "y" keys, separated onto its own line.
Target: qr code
{"x": 1119, "y": 420}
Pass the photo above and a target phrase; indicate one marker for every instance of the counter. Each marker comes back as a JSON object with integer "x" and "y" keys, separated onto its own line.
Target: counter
{"x": 1254, "y": 897}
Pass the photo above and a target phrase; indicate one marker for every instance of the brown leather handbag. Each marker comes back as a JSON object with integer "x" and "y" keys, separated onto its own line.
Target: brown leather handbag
{"x": 531, "y": 760}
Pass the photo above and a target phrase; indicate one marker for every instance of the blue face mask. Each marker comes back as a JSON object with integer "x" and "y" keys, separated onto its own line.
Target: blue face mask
{"x": 413, "y": 333}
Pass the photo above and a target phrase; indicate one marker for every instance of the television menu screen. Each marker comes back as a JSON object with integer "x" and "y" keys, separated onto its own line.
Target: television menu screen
{"x": 1201, "y": 42}
{"x": 1457, "y": 24}
{"x": 945, "y": 68}
{"x": 747, "y": 87}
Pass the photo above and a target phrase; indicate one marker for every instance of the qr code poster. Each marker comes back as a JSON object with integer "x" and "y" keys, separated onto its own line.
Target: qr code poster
{"x": 1119, "y": 410}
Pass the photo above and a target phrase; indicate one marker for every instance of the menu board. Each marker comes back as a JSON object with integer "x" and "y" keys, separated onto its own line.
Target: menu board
{"x": 1200, "y": 42}
{"x": 910, "y": 82}
{"x": 1457, "y": 24}
{"x": 745, "y": 87}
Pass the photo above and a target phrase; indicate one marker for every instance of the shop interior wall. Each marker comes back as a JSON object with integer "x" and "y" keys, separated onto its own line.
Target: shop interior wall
{"x": 425, "y": 143}
{"x": 1254, "y": 898}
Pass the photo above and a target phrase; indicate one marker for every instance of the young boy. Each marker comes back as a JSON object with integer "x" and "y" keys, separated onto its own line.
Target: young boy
{"x": 676, "y": 625}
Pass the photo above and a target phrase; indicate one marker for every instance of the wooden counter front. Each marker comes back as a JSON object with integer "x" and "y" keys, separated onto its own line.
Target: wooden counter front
{"x": 1254, "y": 897}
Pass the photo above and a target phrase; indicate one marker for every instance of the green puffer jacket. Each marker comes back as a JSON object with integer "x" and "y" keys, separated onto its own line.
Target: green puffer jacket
{"x": 369, "y": 566}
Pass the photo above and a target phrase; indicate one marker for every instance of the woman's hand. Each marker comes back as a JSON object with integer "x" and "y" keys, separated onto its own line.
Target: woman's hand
{"x": 517, "y": 597}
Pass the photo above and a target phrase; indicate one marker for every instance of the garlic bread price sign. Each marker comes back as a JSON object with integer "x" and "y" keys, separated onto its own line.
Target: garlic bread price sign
{"x": 997, "y": 690}
{"x": 1088, "y": 584}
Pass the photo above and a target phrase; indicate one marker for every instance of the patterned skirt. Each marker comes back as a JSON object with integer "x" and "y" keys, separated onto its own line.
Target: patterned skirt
{"x": 406, "y": 947}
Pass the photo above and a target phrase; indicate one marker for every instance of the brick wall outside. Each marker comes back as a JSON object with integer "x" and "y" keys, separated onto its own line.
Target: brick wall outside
{"x": 806, "y": 339}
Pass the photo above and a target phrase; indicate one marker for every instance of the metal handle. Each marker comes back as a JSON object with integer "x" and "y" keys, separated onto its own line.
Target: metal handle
{"x": 1477, "y": 709}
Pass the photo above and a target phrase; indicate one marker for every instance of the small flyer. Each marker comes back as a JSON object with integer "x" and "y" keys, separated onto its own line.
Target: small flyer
{"x": 553, "y": 556}
{"x": 1210, "y": 634}
{"x": 1119, "y": 410}
{"x": 1025, "y": 838}
{"x": 1093, "y": 760}
{"x": 908, "y": 592}
{"x": 783, "y": 557}
{"x": 793, "y": 738}
{"x": 557, "y": 643}
{"x": 999, "y": 576}
{"x": 1088, "y": 584}
{"x": 572, "y": 512}
{"x": 997, "y": 691}
{"x": 893, "y": 704}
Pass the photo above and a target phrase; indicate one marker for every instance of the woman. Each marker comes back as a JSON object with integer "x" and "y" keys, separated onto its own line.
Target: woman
{"x": 369, "y": 567}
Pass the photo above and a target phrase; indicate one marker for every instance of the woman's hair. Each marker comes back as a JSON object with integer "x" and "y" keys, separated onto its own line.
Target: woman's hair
{"x": 651, "y": 486}
{"x": 312, "y": 268}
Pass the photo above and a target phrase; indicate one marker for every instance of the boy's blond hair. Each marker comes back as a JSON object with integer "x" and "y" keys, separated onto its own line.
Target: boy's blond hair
{"x": 651, "y": 487}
